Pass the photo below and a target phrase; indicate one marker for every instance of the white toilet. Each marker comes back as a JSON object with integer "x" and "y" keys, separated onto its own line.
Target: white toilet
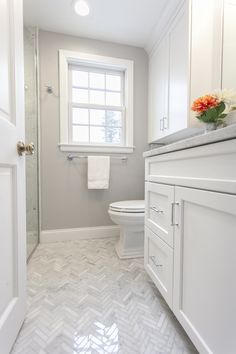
{"x": 129, "y": 215}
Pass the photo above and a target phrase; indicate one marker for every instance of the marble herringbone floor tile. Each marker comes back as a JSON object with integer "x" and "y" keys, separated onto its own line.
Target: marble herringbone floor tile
{"x": 83, "y": 299}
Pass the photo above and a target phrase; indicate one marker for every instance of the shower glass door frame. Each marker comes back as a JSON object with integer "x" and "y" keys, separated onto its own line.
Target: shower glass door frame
{"x": 32, "y": 130}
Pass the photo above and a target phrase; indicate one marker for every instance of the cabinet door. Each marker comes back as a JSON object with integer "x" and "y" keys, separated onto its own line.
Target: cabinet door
{"x": 159, "y": 200}
{"x": 204, "y": 269}
{"x": 178, "y": 75}
{"x": 158, "y": 90}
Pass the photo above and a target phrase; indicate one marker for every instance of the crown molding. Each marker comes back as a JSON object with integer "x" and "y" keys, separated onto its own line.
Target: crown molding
{"x": 170, "y": 11}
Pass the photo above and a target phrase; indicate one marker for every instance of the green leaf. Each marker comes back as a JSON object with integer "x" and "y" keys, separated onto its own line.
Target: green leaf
{"x": 212, "y": 115}
{"x": 220, "y": 109}
{"x": 223, "y": 116}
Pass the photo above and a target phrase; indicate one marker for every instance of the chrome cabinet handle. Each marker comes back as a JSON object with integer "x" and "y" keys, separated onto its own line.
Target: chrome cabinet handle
{"x": 165, "y": 127}
{"x": 155, "y": 261}
{"x": 173, "y": 223}
{"x": 156, "y": 210}
{"x": 161, "y": 124}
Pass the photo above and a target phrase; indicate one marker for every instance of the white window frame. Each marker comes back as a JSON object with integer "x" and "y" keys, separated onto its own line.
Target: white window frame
{"x": 67, "y": 58}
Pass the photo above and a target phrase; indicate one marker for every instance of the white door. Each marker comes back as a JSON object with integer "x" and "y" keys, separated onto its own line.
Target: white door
{"x": 204, "y": 269}
{"x": 12, "y": 175}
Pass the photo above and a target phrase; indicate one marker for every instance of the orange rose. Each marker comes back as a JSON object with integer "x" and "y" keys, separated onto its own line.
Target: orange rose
{"x": 204, "y": 103}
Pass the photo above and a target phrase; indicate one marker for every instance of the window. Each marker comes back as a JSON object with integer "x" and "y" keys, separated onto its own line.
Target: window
{"x": 96, "y": 103}
{"x": 96, "y": 106}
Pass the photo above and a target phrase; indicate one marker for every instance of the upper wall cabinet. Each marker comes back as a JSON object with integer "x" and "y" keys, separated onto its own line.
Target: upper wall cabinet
{"x": 158, "y": 90}
{"x": 229, "y": 44}
{"x": 184, "y": 65}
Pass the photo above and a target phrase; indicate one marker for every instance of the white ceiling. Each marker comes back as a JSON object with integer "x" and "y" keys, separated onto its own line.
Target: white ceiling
{"x": 123, "y": 21}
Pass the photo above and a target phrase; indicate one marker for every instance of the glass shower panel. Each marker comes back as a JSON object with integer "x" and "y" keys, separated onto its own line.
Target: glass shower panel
{"x": 31, "y": 135}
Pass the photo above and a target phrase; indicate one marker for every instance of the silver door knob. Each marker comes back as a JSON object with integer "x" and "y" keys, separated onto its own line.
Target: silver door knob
{"x": 23, "y": 148}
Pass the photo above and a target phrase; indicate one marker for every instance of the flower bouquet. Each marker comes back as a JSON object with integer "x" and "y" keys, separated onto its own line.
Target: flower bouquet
{"x": 213, "y": 108}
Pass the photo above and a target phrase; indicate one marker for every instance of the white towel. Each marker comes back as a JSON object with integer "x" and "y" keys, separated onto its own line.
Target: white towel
{"x": 98, "y": 172}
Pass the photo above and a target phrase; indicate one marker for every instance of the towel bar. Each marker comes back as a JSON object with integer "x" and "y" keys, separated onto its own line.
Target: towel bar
{"x": 71, "y": 157}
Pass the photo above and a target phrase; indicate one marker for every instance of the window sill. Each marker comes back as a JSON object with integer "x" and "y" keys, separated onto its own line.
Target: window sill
{"x": 97, "y": 148}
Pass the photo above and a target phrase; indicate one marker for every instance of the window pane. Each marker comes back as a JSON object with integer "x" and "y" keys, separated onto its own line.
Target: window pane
{"x": 80, "y": 115}
{"x": 114, "y": 118}
{"x": 97, "y": 134}
{"x": 80, "y": 133}
{"x": 97, "y": 117}
{"x": 113, "y": 99}
{"x": 97, "y": 97}
{"x": 113, "y": 135}
{"x": 113, "y": 82}
{"x": 79, "y": 95}
{"x": 79, "y": 78}
{"x": 97, "y": 80}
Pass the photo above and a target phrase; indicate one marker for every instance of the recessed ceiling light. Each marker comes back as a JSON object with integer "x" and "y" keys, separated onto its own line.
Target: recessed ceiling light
{"x": 81, "y": 8}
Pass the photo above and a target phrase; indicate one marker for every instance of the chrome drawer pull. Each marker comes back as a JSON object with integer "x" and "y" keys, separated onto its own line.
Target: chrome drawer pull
{"x": 153, "y": 259}
{"x": 157, "y": 210}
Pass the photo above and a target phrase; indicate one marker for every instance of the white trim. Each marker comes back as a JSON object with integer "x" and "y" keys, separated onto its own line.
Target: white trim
{"x": 159, "y": 31}
{"x": 67, "y": 58}
{"x": 89, "y": 148}
{"x": 83, "y": 233}
{"x": 129, "y": 253}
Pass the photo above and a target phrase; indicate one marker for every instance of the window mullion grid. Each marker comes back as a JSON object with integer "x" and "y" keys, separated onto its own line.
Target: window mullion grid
{"x": 105, "y": 107}
{"x": 97, "y": 125}
{"x": 106, "y": 127}
{"x": 97, "y": 106}
{"x": 105, "y": 86}
{"x": 105, "y": 94}
{"x": 89, "y": 126}
{"x": 122, "y": 90}
{"x": 89, "y": 87}
{"x": 97, "y": 89}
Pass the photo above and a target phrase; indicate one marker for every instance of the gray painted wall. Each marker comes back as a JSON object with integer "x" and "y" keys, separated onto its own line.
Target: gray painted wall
{"x": 66, "y": 201}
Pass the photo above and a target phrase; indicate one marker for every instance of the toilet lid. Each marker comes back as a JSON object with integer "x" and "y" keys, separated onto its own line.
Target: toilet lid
{"x": 129, "y": 206}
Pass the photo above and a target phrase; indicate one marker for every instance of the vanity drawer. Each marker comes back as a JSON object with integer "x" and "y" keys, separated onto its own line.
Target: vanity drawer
{"x": 202, "y": 167}
{"x": 159, "y": 199}
{"x": 158, "y": 260}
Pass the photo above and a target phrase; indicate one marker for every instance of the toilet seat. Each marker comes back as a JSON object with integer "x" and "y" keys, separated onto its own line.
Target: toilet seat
{"x": 128, "y": 206}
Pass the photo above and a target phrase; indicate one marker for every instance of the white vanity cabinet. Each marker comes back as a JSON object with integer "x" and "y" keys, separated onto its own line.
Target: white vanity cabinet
{"x": 184, "y": 65}
{"x": 190, "y": 240}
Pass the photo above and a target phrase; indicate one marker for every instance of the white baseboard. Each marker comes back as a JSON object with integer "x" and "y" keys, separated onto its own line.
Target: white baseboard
{"x": 83, "y": 233}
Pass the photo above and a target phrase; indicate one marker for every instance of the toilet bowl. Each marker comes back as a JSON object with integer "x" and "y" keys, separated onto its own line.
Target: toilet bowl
{"x": 129, "y": 215}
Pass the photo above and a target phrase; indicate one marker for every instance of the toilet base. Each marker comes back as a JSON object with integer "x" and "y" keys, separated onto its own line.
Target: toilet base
{"x": 130, "y": 244}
